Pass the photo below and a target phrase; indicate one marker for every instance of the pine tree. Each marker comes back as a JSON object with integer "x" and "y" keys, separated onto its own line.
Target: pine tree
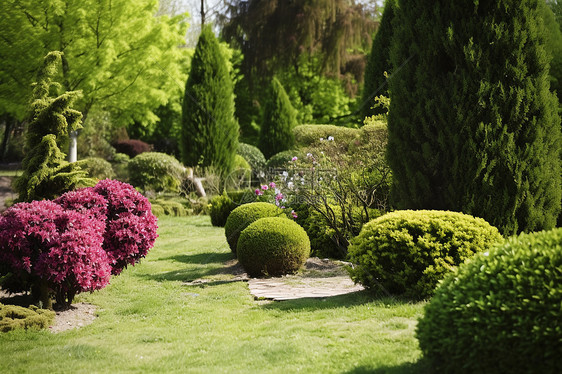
{"x": 378, "y": 63}
{"x": 473, "y": 126}
{"x": 209, "y": 135}
{"x": 46, "y": 173}
{"x": 279, "y": 119}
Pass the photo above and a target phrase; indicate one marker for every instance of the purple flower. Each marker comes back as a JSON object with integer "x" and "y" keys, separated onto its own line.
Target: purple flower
{"x": 294, "y": 214}
{"x": 272, "y": 185}
{"x": 258, "y": 192}
{"x": 264, "y": 187}
{"x": 295, "y": 158}
{"x": 279, "y": 196}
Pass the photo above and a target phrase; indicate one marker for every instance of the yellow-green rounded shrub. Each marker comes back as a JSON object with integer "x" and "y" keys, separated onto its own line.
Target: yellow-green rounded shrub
{"x": 243, "y": 216}
{"x": 500, "y": 312}
{"x": 14, "y": 317}
{"x": 408, "y": 252}
{"x": 273, "y": 246}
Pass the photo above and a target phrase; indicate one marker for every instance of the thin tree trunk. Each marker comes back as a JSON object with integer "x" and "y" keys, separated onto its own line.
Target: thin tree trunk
{"x": 9, "y": 126}
{"x": 202, "y": 13}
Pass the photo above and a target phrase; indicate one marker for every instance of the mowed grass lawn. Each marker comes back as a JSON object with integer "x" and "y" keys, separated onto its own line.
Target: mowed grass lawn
{"x": 150, "y": 321}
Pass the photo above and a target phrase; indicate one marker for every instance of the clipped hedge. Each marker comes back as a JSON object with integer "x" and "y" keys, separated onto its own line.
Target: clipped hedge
{"x": 13, "y": 317}
{"x": 306, "y": 135}
{"x": 156, "y": 171}
{"x": 500, "y": 312}
{"x": 273, "y": 246}
{"x": 220, "y": 207}
{"x": 243, "y": 216}
{"x": 252, "y": 155}
{"x": 98, "y": 168}
{"x": 409, "y": 252}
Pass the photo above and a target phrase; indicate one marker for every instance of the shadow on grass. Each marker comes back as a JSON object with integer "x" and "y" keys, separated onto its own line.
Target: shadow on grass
{"x": 341, "y": 301}
{"x": 419, "y": 367}
{"x": 201, "y": 258}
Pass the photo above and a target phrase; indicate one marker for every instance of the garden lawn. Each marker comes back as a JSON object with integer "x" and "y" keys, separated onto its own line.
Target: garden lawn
{"x": 150, "y": 321}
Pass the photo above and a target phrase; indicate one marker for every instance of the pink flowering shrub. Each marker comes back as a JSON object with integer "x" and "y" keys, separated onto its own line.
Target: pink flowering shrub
{"x": 87, "y": 202}
{"x": 130, "y": 225}
{"x": 46, "y": 247}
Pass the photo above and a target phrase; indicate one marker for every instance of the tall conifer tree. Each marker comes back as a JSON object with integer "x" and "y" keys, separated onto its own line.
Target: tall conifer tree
{"x": 473, "y": 126}
{"x": 209, "y": 135}
{"x": 378, "y": 63}
{"x": 280, "y": 118}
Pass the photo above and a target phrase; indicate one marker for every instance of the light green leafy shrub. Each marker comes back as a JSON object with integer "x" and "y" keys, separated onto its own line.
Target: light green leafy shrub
{"x": 273, "y": 246}
{"x": 98, "y": 168}
{"x": 169, "y": 208}
{"x": 307, "y": 135}
{"x": 156, "y": 171}
{"x": 220, "y": 207}
{"x": 282, "y": 159}
{"x": 243, "y": 216}
{"x": 500, "y": 312}
{"x": 14, "y": 317}
{"x": 409, "y": 252}
{"x": 253, "y": 155}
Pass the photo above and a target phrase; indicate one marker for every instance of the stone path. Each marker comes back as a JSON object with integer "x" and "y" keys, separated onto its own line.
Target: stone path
{"x": 5, "y": 191}
{"x": 320, "y": 278}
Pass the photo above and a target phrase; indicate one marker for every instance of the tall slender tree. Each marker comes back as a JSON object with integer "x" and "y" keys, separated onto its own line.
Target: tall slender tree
{"x": 378, "y": 63}
{"x": 473, "y": 126}
{"x": 46, "y": 173}
{"x": 280, "y": 118}
{"x": 209, "y": 135}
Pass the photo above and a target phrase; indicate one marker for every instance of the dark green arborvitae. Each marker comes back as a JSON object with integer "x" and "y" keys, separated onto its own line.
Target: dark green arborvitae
{"x": 378, "y": 63}
{"x": 46, "y": 173}
{"x": 473, "y": 126}
{"x": 279, "y": 119}
{"x": 209, "y": 134}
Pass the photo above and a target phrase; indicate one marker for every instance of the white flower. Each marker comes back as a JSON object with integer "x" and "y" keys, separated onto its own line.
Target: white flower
{"x": 290, "y": 185}
{"x": 285, "y": 174}
{"x": 321, "y": 139}
{"x": 330, "y": 138}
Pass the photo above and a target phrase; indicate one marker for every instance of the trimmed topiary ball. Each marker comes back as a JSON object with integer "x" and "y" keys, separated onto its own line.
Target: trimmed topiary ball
{"x": 244, "y": 215}
{"x": 220, "y": 208}
{"x": 500, "y": 312}
{"x": 408, "y": 252}
{"x": 97, "y": 168}
{"x": 253, "y": 155}
{"x": 273, "y": 246}
{"x": 156, "y": 171}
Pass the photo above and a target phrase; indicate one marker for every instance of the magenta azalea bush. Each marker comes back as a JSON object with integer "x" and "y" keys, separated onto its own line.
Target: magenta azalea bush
{"x": 75, "y": 243}
{"x": 130, "y": 225}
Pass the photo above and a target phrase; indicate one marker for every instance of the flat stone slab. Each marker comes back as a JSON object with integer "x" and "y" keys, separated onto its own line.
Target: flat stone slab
{"x": 290, "y": 288}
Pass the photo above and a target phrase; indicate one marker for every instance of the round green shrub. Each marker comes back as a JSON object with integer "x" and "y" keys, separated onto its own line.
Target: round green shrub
{"x": 14, "y": 317}
{"x": 306, "y": 135}
{"x": 243, "y": 196}
{"x": 156, "y": 171}
{"x": 253, "y": 155}
{"x": 244, "y": 215}
{"x": 500, "y": 312}
{"x": 220, "y": 207}
{"x": 121, "y": 158}
{"x": 273, "y": 246}
{"x": 408, "y": 252}
{"x": 97, "y": 168}
{"x": 157, "y": 210}
{"x": 281, "y": 159}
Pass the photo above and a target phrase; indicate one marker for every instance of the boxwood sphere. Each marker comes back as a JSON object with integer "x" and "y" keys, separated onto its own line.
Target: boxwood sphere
{"x": 273, "y": 246}
{"x": 244, "y": 215}
{"x": 500, "y": 312}
{"x": 408, "y": 252}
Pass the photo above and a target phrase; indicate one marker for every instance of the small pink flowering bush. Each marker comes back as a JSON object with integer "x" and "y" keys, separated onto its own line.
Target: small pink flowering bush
{"x": 75, "y": 243}
{"x": 44, "y": 246}
{"x": 130, "y": 225}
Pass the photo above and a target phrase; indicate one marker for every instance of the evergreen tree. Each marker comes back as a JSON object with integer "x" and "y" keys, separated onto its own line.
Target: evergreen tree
{"x": 279, "y": 119}
{"x": 473, "y": 126}
{"x": 378, "y": 63}
{"x": 209, "y": 135}
{"x": 46, "y": 174}
{"x": 554, "y": 49}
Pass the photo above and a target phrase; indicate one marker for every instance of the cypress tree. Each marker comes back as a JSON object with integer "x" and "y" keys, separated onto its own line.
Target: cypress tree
{"x": 378, "y": 63}
{"x": 46, "y": 173}
{"x": 209, "y": 134}
{"x": 473, "y": 126}
{"x": 279, "y": 119}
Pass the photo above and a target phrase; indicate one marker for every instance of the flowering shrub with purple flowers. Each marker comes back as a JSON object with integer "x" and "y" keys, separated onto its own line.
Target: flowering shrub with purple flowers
{"x": 75, "y": 243}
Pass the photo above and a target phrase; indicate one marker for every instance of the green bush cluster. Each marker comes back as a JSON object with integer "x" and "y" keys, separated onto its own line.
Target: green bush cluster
{"x": 273, "y": 246}
{"x": 98, "y": 168}
{"x": 281, "y": 159}
{"x": 500, "y": 312}
{"x": 156, "y": 171}
{"x": 220, "y": 207}
{"x": 253, "y": 155}
{"x": 161, "y": 207}
{"x": 307, "y": 135}
{"x": 243, "y": 216}
{"x": 14, "y": 317}
{"x": 409, "y": 252}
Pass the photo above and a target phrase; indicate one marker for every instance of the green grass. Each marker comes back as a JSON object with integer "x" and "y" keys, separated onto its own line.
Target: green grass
{"x": 150, "y": 321}
{"x": 10, "y": 173}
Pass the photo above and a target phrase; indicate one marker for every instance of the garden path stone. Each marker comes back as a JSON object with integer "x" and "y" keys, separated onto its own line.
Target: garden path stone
{"x": 321, "y": 278}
